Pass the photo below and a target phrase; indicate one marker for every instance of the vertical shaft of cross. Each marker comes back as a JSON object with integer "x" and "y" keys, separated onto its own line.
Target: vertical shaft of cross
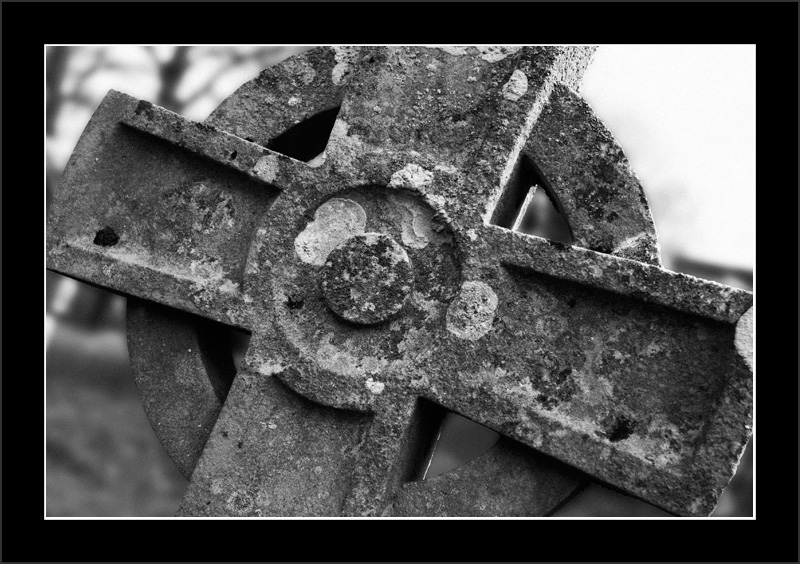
{"x": 384, "y": 456}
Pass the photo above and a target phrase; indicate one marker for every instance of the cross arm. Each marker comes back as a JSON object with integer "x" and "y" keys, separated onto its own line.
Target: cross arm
{"x": 157, "y": 206}
{"x": 622, "y": 369}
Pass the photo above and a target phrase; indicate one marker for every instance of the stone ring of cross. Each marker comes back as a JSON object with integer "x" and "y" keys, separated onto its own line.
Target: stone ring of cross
{"x": 356, "y": 211}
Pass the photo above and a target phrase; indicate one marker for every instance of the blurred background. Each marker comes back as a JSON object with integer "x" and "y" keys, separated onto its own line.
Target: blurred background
{"x": 684, "y": 114}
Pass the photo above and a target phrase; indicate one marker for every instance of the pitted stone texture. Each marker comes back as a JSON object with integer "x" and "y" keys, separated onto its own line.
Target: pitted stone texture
{"x": 367, "y": 278}
{"x": 183, "y": 370}
{"x": 451, "y": 105}
{"x": 471, "y": 314}
{"x": 302, "y": 453}
{"x": 260, "y": 110}
{"x": 341, "y": 323}
{"x": 543, "y": 368}
{"x": 592, "y": 179}
{"x": 532, "y": 485}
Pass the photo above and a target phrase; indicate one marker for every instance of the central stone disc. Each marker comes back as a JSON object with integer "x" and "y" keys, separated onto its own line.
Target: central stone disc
{"x": 367, "y": 278}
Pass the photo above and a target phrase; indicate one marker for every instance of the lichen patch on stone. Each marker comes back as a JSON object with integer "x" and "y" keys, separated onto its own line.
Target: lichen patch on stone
{"x": 375, "y": 387}
{"x": 334, "y": 222}
{"x": 344, "y": 56}
{"x": 411, "y": 176}
{"x": 339, "y": 360}
{"x": 416, "y": 222}
{"x": 300, "y": 70}
{"x": 744, "y": 337}
{"x": 471, "y": 313}
{"x": 343, "y": 147}
{"x": 494, "y": 53}
{"x": 489, "y": 53}
{"x": 270, "y": 367}
{"x": 267, "y": 168}
{"x": 516, "y": 87}
{"x": 450, "y": 49}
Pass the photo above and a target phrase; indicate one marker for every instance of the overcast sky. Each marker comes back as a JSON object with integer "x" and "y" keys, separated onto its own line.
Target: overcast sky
{"x": 685, "y": 116}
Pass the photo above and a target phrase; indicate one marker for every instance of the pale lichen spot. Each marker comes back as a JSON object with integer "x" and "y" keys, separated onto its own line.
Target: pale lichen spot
{"x": 446, "y": 169}
{"x": 300, "y": 69}
{"x": 494, "y": 53}
{"x": 696, "y": 505}
{"x": 450, "y": 49}
{"x": 228, "y": 287}
{"x": 416, "y": 222}
{"x": 344, "y": 56}
{"x": 489, "y": 53}
{"x": 471, "y": 314}
{"x": 374, "y": 386}
{"x": 744, "y": 337}
{"x": 437, "y": 200}
{"x": 334, "y": 222}
{"x": 270, "y": 368}
{"x": 267, "y": 168}
{"x": 341, "y": 361}
{"x": 343, "y": 148}
{"x": 516, "y": 87}
{"x": 411, "y": 176}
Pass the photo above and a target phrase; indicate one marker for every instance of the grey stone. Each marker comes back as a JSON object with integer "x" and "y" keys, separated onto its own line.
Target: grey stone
{"x": 591, "y": 354}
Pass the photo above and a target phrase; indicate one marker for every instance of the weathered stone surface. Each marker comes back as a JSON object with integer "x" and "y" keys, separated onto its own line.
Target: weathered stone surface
{"x": 624, "y": 370}
{"x": 284, "y": 96}
{"x": 367, "y": 278}
{"x": 183, "y": 370}
{"x": 591, "y": 177}
{"x": 274, "y": 453}
{"x": 521, "y": 483}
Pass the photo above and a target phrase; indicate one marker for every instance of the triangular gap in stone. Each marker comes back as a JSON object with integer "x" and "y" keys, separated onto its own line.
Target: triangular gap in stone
{"x": 222, "y": 349}
{"x": 443, "y": 441}
{"x": 529, "y": 205}
{"x": 459, "y": 442}
{"x": 306, "y": 141}
{"x": 422, "y": 436}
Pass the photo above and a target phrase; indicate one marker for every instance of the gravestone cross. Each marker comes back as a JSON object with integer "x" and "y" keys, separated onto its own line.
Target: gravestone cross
{"x": 387, "y": 276}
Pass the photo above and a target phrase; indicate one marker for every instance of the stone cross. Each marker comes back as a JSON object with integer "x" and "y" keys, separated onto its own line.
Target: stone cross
{"x": 387, "y": 277}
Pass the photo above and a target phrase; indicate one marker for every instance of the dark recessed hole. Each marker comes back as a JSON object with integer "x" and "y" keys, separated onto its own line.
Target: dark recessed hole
{"x": 529, "y": 205}
{"x": 619, "y": 428}
{"x": 233, "y": 155}
{"x": 106, "y": 237}
{"x": 308, "y": 138}
{"x": 294, "y": 302}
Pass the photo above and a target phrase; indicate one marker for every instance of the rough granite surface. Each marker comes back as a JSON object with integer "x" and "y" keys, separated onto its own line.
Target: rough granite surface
{"x": 381, "y": 279}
